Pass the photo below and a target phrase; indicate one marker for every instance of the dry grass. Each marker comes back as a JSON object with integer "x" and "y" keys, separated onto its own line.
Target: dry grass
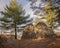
{"x": 33, "y": 43}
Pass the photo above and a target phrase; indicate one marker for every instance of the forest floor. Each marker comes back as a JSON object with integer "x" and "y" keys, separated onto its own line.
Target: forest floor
{"x": 33, "y": 43}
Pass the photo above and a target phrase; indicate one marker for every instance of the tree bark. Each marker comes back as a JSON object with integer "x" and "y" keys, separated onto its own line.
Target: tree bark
{"x": 15, "y": 32}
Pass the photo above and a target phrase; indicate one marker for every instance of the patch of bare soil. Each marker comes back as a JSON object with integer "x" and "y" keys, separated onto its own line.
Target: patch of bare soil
{"x": 34, "y": 43}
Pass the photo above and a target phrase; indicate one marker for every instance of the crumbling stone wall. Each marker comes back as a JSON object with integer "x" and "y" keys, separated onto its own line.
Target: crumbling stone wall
{"x": 44, "y": 31}
{"x": 28, "y": 32}
{"x": 39, "y": 30}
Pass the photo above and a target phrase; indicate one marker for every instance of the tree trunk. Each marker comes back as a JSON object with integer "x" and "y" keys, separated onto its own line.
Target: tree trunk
{"x": 15, "y": 32}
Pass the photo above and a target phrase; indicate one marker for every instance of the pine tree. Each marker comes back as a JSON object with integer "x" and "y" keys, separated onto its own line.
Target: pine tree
{"x": 14, "y": 15}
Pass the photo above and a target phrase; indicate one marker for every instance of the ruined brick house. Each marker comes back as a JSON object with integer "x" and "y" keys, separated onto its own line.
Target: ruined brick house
{"x": 39, "y": 30}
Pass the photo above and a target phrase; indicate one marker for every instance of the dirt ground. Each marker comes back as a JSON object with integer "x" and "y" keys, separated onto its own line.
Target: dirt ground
{"x": 33, "y": 43}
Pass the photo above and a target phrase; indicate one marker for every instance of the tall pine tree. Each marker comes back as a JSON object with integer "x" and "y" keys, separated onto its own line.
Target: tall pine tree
{"x": 14, "y": 15}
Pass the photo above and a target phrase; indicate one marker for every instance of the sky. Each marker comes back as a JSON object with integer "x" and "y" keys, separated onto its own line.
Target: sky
{"x": 24, "y": 3}
{"x": 4, "y": 2}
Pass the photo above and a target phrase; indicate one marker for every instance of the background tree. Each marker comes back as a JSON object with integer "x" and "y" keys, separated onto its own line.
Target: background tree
{"x": 13, "y": 16}
{"x": 50, "y": 14}
{"x": 50, "y": 8}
